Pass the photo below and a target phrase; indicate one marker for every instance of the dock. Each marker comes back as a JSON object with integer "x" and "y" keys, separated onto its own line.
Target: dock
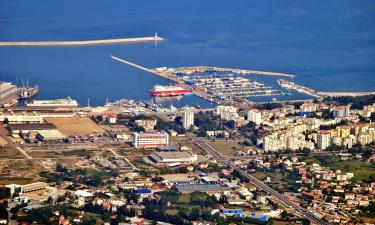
{"x": 167, "y": 75}
{"x": 161, "y": 74}
{"x": 345, "y": 94}
{"x": 80, "y": 43}
{"x": 239, "y": 71}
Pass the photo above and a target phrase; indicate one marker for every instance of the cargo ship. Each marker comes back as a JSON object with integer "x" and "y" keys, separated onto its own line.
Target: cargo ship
{"x": 28, "y": 92}
{"x": 168, "y": 91}
{"x": 65, "y": 103}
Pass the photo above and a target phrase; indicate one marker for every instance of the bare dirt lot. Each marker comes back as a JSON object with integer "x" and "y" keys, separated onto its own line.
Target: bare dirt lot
{"x": 226, "y": 147}
{"x": 10, "y": 153}
{"x": 185, "y": 141}
{"x": 75, "y": 125}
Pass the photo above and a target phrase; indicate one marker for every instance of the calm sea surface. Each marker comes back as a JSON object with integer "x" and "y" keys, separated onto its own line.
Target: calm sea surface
{"x": 329, "y": 45}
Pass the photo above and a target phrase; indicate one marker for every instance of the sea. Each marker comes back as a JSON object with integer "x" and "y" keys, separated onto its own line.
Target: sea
{"x": 329, "y": 45}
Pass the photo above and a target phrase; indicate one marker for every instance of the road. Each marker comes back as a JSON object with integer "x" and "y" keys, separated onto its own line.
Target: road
{"x": 281, "y": 198}
{"x": 24, "y": 153}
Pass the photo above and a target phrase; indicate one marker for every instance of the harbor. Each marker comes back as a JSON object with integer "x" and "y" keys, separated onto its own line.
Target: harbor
{"x": 218, "y": 85}
{"x": 10, "y": 94}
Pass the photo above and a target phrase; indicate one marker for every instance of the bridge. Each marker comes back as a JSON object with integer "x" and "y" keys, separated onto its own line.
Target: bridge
{"x": 81, "y": 43}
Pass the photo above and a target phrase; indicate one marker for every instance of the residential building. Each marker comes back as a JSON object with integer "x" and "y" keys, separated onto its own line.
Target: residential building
{"x": 146, "y": 124}
{"x": 324, "y": 139}
{"x": 188, "y": 118}
{"x": 255, "y": 116}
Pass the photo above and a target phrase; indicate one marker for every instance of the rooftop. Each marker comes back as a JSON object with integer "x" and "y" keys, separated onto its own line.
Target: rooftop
{"x": 200, "y": 187}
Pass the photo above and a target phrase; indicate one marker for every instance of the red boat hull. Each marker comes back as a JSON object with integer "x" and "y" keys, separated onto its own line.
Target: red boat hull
{"x": 170, "y": 93}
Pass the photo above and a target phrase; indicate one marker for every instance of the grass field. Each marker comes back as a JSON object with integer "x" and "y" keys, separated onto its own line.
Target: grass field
{"x": 276, "y": 176}
{"x": 226, "y": 147}
{"x": 362, "y": 170}
{"x": 75, "y": 125}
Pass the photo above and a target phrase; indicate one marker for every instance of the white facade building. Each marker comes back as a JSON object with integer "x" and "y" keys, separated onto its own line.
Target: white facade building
{"x": 188, "y": 118}
{"x": 324, "y": 139}
{"x": 150, "y": 140}
{"x": 255, "y": 116}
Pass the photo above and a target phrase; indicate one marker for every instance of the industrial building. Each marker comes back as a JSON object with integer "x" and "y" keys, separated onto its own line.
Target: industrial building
{"x": 208, "y": 188}
{"x": 173, "y": 157}
{"x": 26, "y": 128}
{"x": 26, "y": 188}
{"x": 50, "y": 136}
{"x": 7, "y": 89}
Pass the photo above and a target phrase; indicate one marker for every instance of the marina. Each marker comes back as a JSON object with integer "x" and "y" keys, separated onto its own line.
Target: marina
{"x": 215, "y": 84}
{"x": 227, "y": 85}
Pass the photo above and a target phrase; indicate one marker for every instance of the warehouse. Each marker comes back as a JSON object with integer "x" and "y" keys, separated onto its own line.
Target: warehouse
{"x": 50, "y": 136}
{"x": 173, "y": 157}
{"x": 26, "y": 128}
{"x": 208, "y": 188}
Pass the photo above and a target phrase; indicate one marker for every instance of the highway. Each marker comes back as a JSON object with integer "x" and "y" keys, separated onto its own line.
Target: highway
{"x": 80, "y": 43}
{"x": 281, "y": 198}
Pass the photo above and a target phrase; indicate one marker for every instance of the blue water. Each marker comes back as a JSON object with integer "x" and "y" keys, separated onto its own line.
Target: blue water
{"x": 329, "y": 45}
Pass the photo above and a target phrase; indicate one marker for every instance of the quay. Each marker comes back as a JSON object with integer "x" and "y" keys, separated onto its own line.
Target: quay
{"x": 319, "y": 94}
{"x": 81, "y": 43}
{"x": 161, "y": 74}
{"x": 345, "y": 94}
{"x": 240, "y": 71}
{"x": 169, "y": 76}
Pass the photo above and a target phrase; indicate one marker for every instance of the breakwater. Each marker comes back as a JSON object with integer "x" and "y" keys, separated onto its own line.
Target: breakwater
{"x": 80, "y": 43}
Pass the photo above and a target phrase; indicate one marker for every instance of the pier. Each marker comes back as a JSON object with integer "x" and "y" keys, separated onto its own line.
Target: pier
{"x": 81, "y": 43}
{"x": 345, "y": 94}
{"x": 161, "y": 74}
{"x": 239, "y": 71}
{"x": 319, "y": 94}
{"x": 167, "y": 75}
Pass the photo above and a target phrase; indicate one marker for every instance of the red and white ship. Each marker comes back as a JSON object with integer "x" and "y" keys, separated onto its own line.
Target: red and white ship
{"x": 167, "y": 91}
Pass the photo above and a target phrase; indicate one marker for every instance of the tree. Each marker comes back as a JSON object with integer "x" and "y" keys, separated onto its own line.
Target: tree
{"x": 194, "y": 215}
{"x": 3, "y": 211}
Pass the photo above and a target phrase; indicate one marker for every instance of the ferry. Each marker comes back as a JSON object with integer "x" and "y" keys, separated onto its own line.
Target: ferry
{"x": 168, "y": 91}
{"x": 68, "y": 103}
